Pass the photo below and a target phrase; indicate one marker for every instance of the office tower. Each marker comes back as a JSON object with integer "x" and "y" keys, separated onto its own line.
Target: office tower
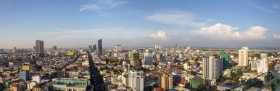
{"x": 15, "y": 50}
{"x": 226, "y": 60}
{"x": 262, "y": 65}
{"x": 90, "y": 48}
{"x": 212, "y": 68}
{"x": 148, "y": 60}
{"x": 94, "y": 47}
{"x": 166, "y": 81}
{"x": 39, "y": 49}
{"x": 24, "y": 75}
{"x": 54, "y": 48}
{"x": 99, "y": 47}
{"x": 118, "y": 48}
{"x": 136, "y": 80}
{"x": 243, "y": 56}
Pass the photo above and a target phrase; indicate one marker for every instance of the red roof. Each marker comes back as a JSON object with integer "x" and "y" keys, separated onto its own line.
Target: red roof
{"x": 158, "y": 89}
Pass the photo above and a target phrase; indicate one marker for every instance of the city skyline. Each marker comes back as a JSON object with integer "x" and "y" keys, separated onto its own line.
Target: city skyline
{"x": 72, "y": 24}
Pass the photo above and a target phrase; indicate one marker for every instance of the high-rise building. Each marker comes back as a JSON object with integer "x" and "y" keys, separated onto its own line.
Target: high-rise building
{"x": 166, "y": 81}
{"x": 134, "y": 59}
{"x": 54, "y": 48}
{"x": 148, "y": 60}
{"x": 262, "y": 65}
{"x": 212, "y": 68}
{"x": 15, "y": 50}
{"x": 118, "y": 48}
{"x": 226, "y": 60}
{"x": 99, "y": 47}
{"x": 136, "y": 80}
{"x": 243, "y": 56}
{"x": 24, "y": 75}
{"x": 90, "y": 48}
{"x": 39, "y": 49}
{"x": 94, "y": 47}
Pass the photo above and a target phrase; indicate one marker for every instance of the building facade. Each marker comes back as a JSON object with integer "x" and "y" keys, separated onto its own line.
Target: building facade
{"x": 136, "y": 80}
{"x": 212, "y": 68}
{"x": 243, "y": 56}
{"x": 262, "y": 65}
{"x": 99, "y": 47}
{"x": 118, "y": 48}
{"x": 39, "y": 48}
{"x": 166, "y": 82}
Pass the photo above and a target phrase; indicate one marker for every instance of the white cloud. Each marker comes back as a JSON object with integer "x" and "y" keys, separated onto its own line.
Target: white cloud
{"x": 276, "y": 6}
{"x": 159, "y": 35}
{"x": 227, "y": 32}
{"x": 175, "y": 18}
{"x": 99, "y": 5}
{"x": 276, "y": 36}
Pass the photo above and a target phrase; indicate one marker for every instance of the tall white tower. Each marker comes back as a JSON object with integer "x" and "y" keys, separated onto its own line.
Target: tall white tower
{"x": 243, "y": 56}
{"x": 262, "y": 66}
{"x": 212, "y": 68}
{"x": 136, "y": 80}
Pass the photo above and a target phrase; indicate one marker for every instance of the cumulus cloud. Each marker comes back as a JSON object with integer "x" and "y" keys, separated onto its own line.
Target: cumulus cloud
{"x": 276, "y": 36}
{"x": 159, "y": 35}
{"x": 175, "y": 18}
{"x": 98, "y": 5}
{"x": 227, "y": 32}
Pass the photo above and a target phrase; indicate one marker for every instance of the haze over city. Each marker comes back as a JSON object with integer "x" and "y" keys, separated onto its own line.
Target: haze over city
{"x": 77, "y": 23}
{"x": 139, "y": 45}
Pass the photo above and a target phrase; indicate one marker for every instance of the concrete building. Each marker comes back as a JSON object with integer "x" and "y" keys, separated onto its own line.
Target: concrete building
{"x": 66, "y": 84}
{"x": 148, "y": 60}
{"x": 136, "y": 80}
{"x": 118, "y": 48}
{"x": 166, "y": 82}
{"x": 226, "y": 60}
{"x": 15, "y": 50}
{"x": 54, "y": 48}
{"x": 212, "y": 68}
{"x": 134, "y": 59}
{"x": 24, "y": 75}
{"x": 94, "y": 47}
{"x": 262, "y": 65}
{"x": 39, "y": 48}
{"x": 90, "y": 48}
{"x": 243, "y": 56}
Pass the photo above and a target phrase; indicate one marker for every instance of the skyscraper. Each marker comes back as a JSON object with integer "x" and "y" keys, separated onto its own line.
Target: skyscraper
{"x": 39, "y": 48}
{"x": 243, "y": 56}
{"x": 134, "y": 59}
{"x": 262, "y": 66}
{"x": 15, "y": 50}
{"x": 99, "y": 47}
{"x": 226, "y": 60}
{"x": 212, "y": 68}
{"x": 24, "y": 75}
{"x": 90, "y": 48}
{"x": 136, "y": 80}
{"x": 94, "y": 47}
{"x": 166, "y": 82}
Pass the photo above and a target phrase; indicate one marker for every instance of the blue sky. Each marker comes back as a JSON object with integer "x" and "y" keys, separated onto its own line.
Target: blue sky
{"x": 200, "y": 23}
